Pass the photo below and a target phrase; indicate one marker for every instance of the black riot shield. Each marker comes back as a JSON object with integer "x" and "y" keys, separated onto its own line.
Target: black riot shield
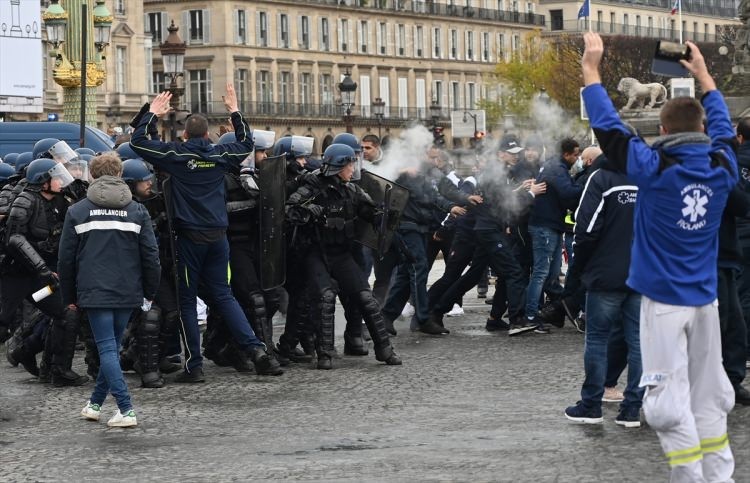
{"x": 392, "y": 198}
{"x": 272, "y": 184}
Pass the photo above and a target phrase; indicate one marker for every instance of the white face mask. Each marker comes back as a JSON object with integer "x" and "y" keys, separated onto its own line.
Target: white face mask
{"x": 578, "y": 165}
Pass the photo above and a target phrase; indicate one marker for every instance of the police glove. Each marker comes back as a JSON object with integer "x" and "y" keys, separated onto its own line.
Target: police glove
{"x": 315, "y": 210}
{"x": 49, "y": 277}
{"x": 248, "y": 183}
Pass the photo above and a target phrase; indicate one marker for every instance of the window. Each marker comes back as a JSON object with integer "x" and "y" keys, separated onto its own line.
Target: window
{"x": 304, "y": 32}
{"x": 436, "y": 43}
{"x": 437, "y": 91}
{"x": 705, "y": 32}
{"x": 400, "y": 39}
{"x": 120, "y": 74}
{"x": 556, "y": 19}
{"x": 382, "y": 39}
{"x": 501, "y": 47}
{"x": 325, "y": 35}
{"x": 343, "y": 35}
{"x": 155, "y": 25}
{"x": 611, "y": 22}
{"x": 419, "y": 41}
{"x": 453, "y": 52}
{"x": 305, "y": 95}
{"x": 265, "y": 92}
{"x": 120, "y": 7}
{"x": 262, "y": 29}
{"x": 196, "y": 25}
{"x": 241, "y": 83}
{"x": 469, "y": 45}
{"x": 625, "y": 22}
{"x": 599, "y": 20}
{"x": 363, "y": 34}
{"x": 485, "y": 47}
{"x": 638, "y": 25}
{"x": 199, "y": 90}
{"x": 385, "y": 93}
{"x": 403, "y": 98}
{"x": 158, "y": 84}
{"x": 695, "y": 31}
{"x": 285, "y": 92}
{"x": 515, "y": 43}
{"x": 455, "y": 96}
{"x": 650, "y": 27}
{"x": 672, "y": 29}
{"x": 471, "y": 95}
{"x": 326, "y": 94}
{"x": 529, "y": 7}
{"x": 240, "y": 23}
{"x": 283, "y": 31}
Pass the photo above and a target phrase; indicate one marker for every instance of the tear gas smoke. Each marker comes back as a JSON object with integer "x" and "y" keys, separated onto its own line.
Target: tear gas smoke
{"x": 408, "y": 151}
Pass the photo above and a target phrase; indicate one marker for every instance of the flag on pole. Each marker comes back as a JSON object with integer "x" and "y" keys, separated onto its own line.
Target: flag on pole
{"x": 584, "y": 10}
{"x": 676, "y": 6}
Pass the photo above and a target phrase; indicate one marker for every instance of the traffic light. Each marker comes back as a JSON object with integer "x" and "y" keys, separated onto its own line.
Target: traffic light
{"x": 438, "y": 138}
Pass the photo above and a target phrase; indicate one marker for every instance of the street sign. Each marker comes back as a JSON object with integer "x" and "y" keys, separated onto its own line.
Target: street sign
{"x": 466, "y": 122}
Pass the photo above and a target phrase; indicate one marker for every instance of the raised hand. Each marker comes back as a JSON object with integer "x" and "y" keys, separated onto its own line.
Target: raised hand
{"x": 230, "y": 99}
{"x": 160, "y": 105}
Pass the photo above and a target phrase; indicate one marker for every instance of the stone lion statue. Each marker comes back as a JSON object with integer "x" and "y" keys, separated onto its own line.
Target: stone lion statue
{"x": 638, "y": 93}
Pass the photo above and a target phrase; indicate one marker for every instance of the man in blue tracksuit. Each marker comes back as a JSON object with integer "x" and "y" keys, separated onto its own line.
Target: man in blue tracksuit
{"x": 196, "y": 185}
{"x": 683, "y": 182}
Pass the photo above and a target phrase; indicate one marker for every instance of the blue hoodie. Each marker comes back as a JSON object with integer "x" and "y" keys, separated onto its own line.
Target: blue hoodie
{"x": 679, "y": 207}
{"x": 197, "y": 172}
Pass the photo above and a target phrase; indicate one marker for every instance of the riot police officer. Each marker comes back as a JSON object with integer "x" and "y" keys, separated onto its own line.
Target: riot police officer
{"x": 330, "y": 204}
{"x": 32, "y": 236}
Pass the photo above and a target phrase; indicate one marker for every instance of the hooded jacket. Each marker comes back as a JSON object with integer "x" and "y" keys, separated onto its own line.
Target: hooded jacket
{"x": 108, "y": 252}
{"x": 197, "y": 170}
{"x": 679, "y": 206}
{"x": 562, "y": 194}
{"x": 743, "y": 162}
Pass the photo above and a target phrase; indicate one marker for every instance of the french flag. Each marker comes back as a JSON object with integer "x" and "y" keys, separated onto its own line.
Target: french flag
{"x": 675, "y": 7}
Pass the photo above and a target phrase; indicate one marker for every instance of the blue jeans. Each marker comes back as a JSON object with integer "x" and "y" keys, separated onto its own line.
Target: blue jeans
{"x": 547, "y": 248}
{"x": 411, "y": 279}
{"x": 605, "y": 310}
{"x": 206, "y": 265}
{"x": 107, "y": 326}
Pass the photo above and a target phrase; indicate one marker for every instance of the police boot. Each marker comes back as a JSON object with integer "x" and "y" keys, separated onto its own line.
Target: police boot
{"x": 292, "y": 353}
{"x": 324, "y": 344}
{"x": 354, "y": 345}
{"x": 45, "y": 368}
{"x": 264, "y": 361}
{"x": 27, "y": 358}
{"x": 553, "y": 313}
{"x": 129, "y": 357}
{"x": 91, "y": 352}
{"x": 147, "y": 340}
{"x": 374, "y": 320}
{"x": 64, "y": 341}
{"x": 388, "y": 355}
{"x": 235, "y": 358}
{"x": 167, "y": 330}
{"x": 214, "y": 340}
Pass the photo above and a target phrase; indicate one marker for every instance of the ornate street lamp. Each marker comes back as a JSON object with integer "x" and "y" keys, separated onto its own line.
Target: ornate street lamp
{"x": 378, "y": 109}
{"x": 56, "y": 20}
{"x": 102, "y": 26}
{"x": 347, "y": 87}
{"x": 435, "y": 112}
{"x": 173, "y": 56}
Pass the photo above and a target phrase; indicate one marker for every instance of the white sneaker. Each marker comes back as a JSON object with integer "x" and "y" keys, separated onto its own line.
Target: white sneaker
{"x": 91, "y": 411}
{"x": 612, "y": 394}
{"x": 456, "y": 311}
{"x": 120, "y": 420}
{"x": 408, "y": 311}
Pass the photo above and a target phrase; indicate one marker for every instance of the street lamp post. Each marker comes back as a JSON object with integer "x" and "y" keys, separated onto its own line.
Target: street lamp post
{"x": 474, "y": 118}
{"x": 173, "y": 56}
{"x": 73, "y": 71}
{"x": 435, "y": 112}
{"x": 348, "y": 87}
{"x": 378, "y": 109}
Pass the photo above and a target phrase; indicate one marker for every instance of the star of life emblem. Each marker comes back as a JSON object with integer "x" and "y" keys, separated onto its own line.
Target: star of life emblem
{"x": 695, "y": 199}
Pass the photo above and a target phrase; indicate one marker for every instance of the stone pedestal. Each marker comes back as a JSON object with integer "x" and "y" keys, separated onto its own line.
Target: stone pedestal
{"x": 646, "y": 121}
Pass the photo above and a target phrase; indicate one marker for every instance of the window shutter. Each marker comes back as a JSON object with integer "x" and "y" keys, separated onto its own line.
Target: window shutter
{"x": 146, "y": 24}
{"x": 340, "y": 35}
{"x": 299, "y": 33}
{"x": 186, "y": 26}
{"x": 209, "y": 91}
{"x": 415, "y": 42}
{"x": 236, "y": 26}
{"x": 396, "y": 35}
{"x": 278, "y": 30}
{"x": 257, "y": 29}
{"x": 378, "y": 38}
{"x": 350, "y": 37}
{"x": 206, "y": 26}
{"x": 320, "y": 34}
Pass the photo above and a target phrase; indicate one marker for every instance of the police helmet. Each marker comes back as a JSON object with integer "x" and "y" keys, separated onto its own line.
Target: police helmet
{"x": 348, "y": 139}
{"x": 134, "y": 170}
{"x": 85, "y": 151}
{"x": 227, "y": 138}
{"x": 41, "y": 148}
{"x": 263, "y": 140}
{"x": 6, "y": 171}
{"x": 336, "y": 157}
{"x": 87, "y": 157}
{"x": 23, "y": 160}
{"x": 10, "y": 158}
{"x": 126, "y": 151}
{"x": 283, "y": 146}
{"x": 40, "y": 170}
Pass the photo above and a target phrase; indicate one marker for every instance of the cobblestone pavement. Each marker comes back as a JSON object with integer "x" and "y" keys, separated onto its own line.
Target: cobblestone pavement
{"x": 471, "y": 406}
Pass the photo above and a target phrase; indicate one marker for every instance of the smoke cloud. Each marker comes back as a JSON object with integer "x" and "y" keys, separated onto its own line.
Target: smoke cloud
{"x": 408, "y": 151}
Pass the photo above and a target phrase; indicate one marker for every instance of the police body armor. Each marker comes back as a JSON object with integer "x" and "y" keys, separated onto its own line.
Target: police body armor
{"x": 340, "y": 215}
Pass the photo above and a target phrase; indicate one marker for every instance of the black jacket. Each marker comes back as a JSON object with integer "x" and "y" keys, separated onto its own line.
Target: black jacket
{"x": 735, "y": 212}
{"x": 604, "y": 231}
{"x": 743, "y": 163}
{"x": 426, "y": 208}
{"x": 108, "y": 252}
{"x": 562, "y": 194}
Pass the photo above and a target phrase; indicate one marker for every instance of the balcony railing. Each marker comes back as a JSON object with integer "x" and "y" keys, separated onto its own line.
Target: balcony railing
{"x": 606, "y": 28}
{"x": 315, "y": 111}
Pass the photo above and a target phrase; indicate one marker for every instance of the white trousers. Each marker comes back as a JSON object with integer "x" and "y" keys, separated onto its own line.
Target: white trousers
{"x": 688, "y": 394}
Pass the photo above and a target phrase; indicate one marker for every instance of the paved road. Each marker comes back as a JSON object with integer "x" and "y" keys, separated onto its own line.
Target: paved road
{"x": 471, "y": 406}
